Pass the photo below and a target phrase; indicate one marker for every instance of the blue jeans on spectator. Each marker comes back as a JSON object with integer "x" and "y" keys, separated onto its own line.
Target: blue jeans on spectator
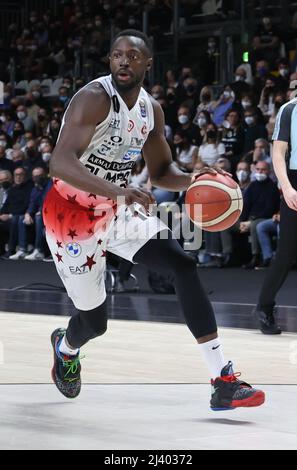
{"x": 265, "y": 231}
{"x": 39, "y": 233}
{"x": 161, "y": 195}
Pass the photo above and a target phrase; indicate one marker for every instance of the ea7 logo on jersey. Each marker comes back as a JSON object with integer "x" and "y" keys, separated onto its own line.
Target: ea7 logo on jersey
{"x": 77, "y": 270}
{"x": 115, "y": 124}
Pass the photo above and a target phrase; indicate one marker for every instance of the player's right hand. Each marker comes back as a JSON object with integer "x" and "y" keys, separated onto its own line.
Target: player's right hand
{"x": 141, "y": 196}
{"x": 290, "y": 196}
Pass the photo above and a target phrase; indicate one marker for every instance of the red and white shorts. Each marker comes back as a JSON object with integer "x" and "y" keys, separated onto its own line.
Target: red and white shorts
{"x": 80, "y": 228}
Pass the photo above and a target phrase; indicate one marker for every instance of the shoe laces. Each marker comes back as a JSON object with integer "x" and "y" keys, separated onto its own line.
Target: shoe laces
{"x": 72, "y": 366}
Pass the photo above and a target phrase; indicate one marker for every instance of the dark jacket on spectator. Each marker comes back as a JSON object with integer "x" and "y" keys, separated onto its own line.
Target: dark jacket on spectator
{"x": 6, "y": 164}
{"x": 37, "y": 197}
{"x": 261, "y": 200}
{"x": 18, "y": 199}
{"x": 253, "y": 133}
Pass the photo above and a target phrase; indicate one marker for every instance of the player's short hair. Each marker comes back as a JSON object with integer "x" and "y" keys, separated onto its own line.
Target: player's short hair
{"x": 136, "y": 34}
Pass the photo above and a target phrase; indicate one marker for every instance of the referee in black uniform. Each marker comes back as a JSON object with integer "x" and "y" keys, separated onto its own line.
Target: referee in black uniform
{"x": 285, "y": 167}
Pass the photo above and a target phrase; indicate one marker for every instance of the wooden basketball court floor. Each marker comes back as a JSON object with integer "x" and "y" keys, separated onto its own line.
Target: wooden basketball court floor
{"x": 145, "y": 387}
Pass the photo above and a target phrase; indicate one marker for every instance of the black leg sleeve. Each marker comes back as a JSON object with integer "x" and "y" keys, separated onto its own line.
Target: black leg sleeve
{"x": 86, "y": 325}
{"x": 167, "y": 256}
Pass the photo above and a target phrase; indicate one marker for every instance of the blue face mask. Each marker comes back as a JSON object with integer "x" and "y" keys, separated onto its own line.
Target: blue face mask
{"x": 63, "y": 98}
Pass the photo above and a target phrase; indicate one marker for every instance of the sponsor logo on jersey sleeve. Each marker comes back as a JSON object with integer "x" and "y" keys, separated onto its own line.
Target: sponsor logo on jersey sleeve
{"x": 142, "y": 108}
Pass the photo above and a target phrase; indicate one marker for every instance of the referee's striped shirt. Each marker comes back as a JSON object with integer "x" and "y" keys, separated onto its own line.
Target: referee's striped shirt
{"x": 286, "y": 130}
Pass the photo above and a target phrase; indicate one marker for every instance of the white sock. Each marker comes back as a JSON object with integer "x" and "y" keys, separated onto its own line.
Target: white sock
{"x": 64, "y": 349}
{"x": 213, "y": 356}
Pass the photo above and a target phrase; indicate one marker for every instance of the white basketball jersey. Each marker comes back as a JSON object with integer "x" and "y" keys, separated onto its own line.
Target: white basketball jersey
{"x": 118, "y": 140}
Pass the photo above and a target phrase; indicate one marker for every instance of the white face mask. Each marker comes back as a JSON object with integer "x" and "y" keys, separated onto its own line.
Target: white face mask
{"x": 227, "y": 94}
{"x": 46, "y": 157}
{"x": 183, "y": 119}
{"x": 284, "y": 72}
{"x": 239, "y": 78}
{"x": 261, "y": 176}
{"x": 3, "y": 143}
{"x": 249, "y": 120}
{"x": 36, "y": 94}
{"x": 201, "y": 122}
{"x": 21, "y": 115}
{"x": 242, "y": 175}
{"x": 246, "y": 104}
{"x": 156, "y": 95}
{"x": 226, "y": 124}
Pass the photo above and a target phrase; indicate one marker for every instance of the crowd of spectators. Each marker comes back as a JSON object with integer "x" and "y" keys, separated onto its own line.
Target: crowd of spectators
{"x": 231, "y": 129}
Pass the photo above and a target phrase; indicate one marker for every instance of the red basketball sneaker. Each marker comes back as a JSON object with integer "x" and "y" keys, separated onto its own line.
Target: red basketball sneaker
{"x": 229, "y": 393}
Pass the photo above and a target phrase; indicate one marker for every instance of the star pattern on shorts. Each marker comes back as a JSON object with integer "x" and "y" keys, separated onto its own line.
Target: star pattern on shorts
{"x": 92, "y": 195}
{"x": 55, "y": 181}
{"x": 72, "y": 233}
{"x": 92, "y": 218}
{"x": 72, "y": 199}
{"x": 60, "y": 257}
{"x": 59, "y": 244}
{"x": 90, "y": 231}
{"x": 91, "y": 207}
{"x": 60, "y": 217}
{"x": 100, "y": 242}
{"x": 103, "y": 254}
{"x": 90, "y": 262}
{"x": 116, "y": 218}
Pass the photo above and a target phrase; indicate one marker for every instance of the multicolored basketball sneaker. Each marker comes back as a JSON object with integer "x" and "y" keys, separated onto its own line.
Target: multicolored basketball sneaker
{"x": 66, "y": 369}
{"x": 229, "y": 393}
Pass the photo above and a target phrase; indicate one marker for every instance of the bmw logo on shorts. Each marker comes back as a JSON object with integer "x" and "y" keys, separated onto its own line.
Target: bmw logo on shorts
{"x": 73, "y": 249}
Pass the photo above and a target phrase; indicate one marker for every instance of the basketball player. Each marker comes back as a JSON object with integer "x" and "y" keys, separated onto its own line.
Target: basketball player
{"x": 107, "y": 125}
{"x": 285, "y": 168}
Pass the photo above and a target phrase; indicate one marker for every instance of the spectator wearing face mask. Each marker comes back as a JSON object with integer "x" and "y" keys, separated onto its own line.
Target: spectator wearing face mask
{"x": 233, "y": 138}
{"x": 266, "y": 103}
{"x": 243, "y": 175}
{"x": 223, "y": 105}
{"x": 186, "y": 125}
{"x": 240, "y": 86}
{"x": 253, "y": 129}
{"x": 283, "y": 79}
{"x": 18, "y": 136}
{"x": 33, "y": 215}
{"x": 261, "y": 202}
{"x": 27, "y": 121}
{"x": 207, "y": 101}
{"x": 53, "y": 129}
{"x": 262, "y": 72}
{"x": 190, "y": 96}
{"x": 212, "y": 149}
{"x": 46, "y": 153}
{"x": 64, "y": 96}
{"x": 202, "y": 120}
{"x": 9, "y": 121}
{"x": 279, "y": 99}
{"x": 42, "y": 121}
{"x": 186, "y": 153}
{"x": 33, "y": 159}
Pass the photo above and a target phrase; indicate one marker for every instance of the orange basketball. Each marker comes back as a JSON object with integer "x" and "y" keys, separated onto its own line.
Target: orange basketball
{"x": 214, "y": 202}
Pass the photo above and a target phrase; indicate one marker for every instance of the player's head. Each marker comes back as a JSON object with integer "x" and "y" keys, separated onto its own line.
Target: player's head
{"x": 130, "y": 58}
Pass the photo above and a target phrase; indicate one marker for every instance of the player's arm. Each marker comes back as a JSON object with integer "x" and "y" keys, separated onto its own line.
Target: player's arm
{"x": 163, "y": 172}
{"x": 87, "y": 109}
